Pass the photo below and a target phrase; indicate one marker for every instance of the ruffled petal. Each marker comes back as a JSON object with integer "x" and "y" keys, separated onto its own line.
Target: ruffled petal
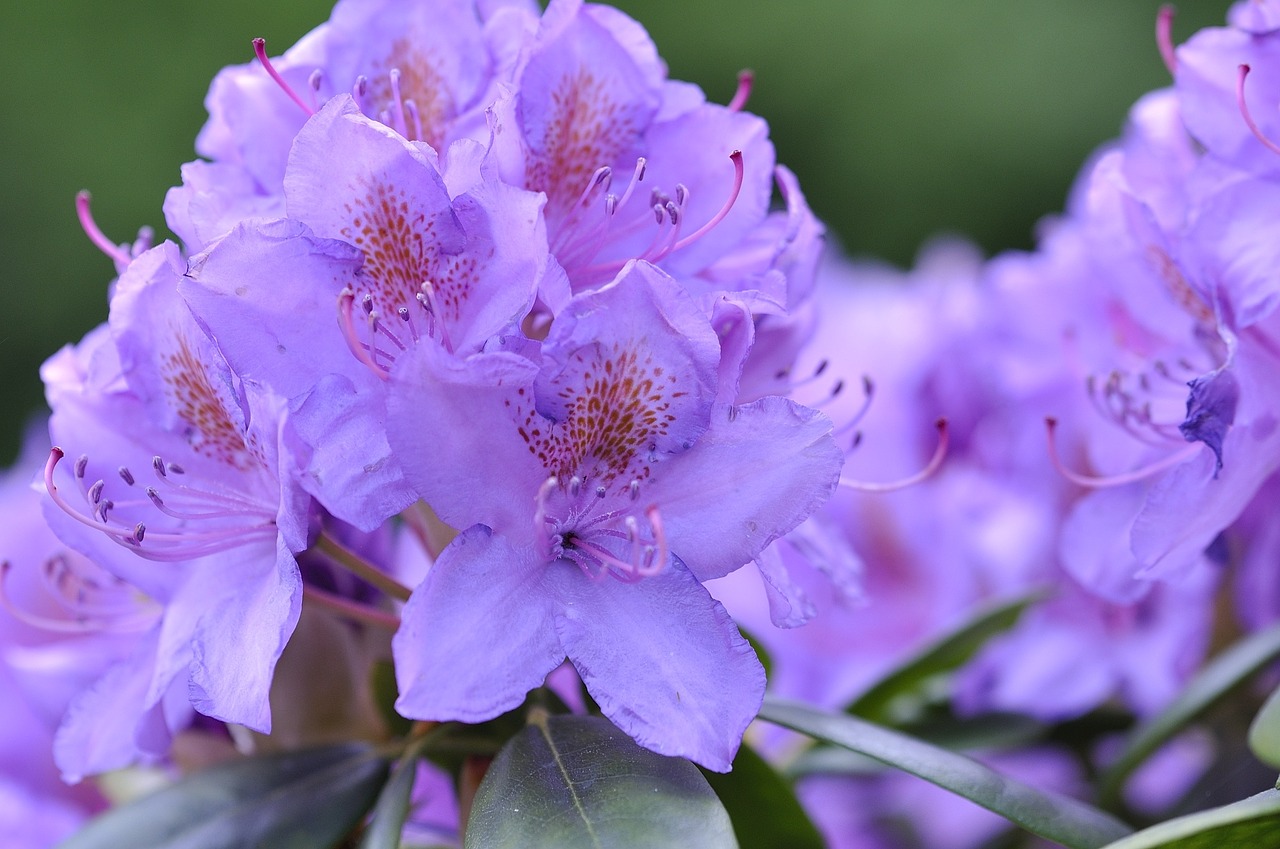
{"x": 662, "y": 659}
{"x": 476, "y": 635}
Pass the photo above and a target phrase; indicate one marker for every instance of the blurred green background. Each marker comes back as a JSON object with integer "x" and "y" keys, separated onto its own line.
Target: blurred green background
{"x": 902, "y": 120}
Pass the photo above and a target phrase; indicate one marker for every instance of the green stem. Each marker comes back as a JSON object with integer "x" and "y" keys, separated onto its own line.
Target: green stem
{"x": 357, "y": 565}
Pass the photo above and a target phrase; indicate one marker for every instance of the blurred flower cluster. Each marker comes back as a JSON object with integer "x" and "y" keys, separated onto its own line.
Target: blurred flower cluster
{"x": 491, "y": 362}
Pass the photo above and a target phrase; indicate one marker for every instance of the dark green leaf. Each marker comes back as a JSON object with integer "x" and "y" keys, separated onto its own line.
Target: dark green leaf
{"x": 1252, "y": 823}
{"x": 1264, "y": 732}
{"x": 895, "y": 697}
{"x": 987, "y": 732}
{"x": 762, "y": 806}
{"x": 1067, "y": 821}
{"x": 577, "y": 781}
{"x": 1218, "y": 678}
{"x": 307, "y": 799}
{"x": 393, "y": 806}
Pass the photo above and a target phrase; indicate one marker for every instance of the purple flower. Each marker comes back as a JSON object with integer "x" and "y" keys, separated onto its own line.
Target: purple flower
{"x": 599, "y": 485}
{"x": 63, "y": 621}
{"x": 377, "y": 257}
{"x": 636, "y": 166}
{"x": 423, "y": 69}
{"x": 179, "y": 483}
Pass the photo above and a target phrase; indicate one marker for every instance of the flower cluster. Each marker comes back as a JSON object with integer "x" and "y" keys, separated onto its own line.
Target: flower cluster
{"x": 470, "y": 282}
{"x": 492, "y": 355}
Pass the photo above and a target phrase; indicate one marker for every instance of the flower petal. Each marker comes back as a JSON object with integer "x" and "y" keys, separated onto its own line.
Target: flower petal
{"x": 662, "y": 659}
{"x": 476, "y": 635}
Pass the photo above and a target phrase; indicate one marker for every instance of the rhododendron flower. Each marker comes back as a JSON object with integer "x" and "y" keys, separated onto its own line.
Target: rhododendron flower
{"x": 377, "y": 257}
{"x": 179, "y": 483}
{"x": 597, "y": 485}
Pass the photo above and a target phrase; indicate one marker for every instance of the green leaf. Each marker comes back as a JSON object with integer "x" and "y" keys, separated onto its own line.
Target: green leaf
{"x": 987, "y": 732}
{"x": 1218, "y": 678}
{"x": 1264, "y": 732}
{"x": 577, "y": 781}
{"x": 1067, "y": 821}
{"x": 392, "y": 809}
{"x": 895, "y": 698}
{"x": 1252, "y": 823}
{"x": 305, "y": 800}
{"x": 762, "y": 806}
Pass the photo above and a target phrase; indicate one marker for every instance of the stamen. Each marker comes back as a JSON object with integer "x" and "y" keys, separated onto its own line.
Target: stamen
{"x": 352, "y": 610}
{"x": 189, "y": 545}
{"x": 82, "y": 624}
{"x": 260, "y": 50}
{"x": 1164, "y": 37}
{"x": 346, "y": 300}
{"x": 125, "y": 475}
{"x": 1244, "y": 111}
{"x": 746, "y": 80}
{"x": 354, "y": 563}
{"x": 660, "y": 540}
{"x": 428, "y": 291}
{"x": 116, "y": 253}
{"x": 398, "y": 102}
{"x": 935, "y": 463}
{"x": 605, "y": 558}
{"x": 637, "y": 176}
{"x": 415, "y": 119}
{"x": 1095, "y": 482}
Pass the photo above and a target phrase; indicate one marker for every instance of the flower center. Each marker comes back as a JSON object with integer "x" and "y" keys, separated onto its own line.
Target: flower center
{"x": 579, "y": 522}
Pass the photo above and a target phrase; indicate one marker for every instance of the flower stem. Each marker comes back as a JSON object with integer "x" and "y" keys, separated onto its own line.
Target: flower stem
{"x": 351, "y": 609}
{"x": 354, "y": 563}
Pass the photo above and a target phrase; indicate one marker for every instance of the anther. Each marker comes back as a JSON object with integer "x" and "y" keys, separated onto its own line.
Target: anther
{"x": 158, "y": 464}
{"x": 82, "y": 463}
{"x": 125, "y": 475}
{"x": 139, "y": 531}
{"x": 634, "y": 489}
{"x": 174, "y": 469}
{"x": 358, "y": 91}
{"x": 314, "y": 81}
{"x": 95, "y": 491}
{"x": 1244, "y": 111}
{"x": 155, "y": 497}
{"x": 600, "y": 492}
{"x": 260, "y": 50}
{"x": 575, "y": 486}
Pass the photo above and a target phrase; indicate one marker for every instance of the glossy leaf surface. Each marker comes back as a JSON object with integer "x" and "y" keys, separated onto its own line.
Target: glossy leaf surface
{"x": 566, "y": 782}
